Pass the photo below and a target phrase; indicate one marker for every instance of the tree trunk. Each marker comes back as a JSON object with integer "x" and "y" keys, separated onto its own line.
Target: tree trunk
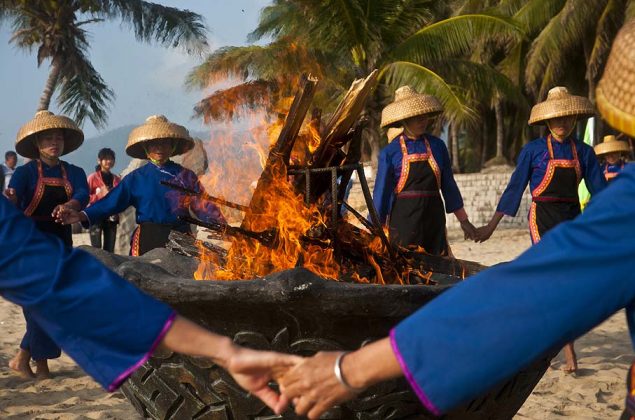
{"x": 500, "y": 133}
{"x": 484, "y": 142}
{"x": 454, "y": 139}
{"x": 51, "y": 84}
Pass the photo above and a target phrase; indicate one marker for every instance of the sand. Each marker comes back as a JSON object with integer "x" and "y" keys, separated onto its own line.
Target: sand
{"x": 595, "y": 392}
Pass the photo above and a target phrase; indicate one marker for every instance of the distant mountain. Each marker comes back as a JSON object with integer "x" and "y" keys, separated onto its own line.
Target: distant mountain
{"x": 116, "y": 139}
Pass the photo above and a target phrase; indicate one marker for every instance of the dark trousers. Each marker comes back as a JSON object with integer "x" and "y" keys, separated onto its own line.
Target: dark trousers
{"x": 109, "y": 230}
{"x": 37, "y": 341}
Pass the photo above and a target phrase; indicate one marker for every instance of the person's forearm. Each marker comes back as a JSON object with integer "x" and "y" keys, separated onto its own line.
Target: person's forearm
{"x": 495, "y": 220}
{"x": 461, "y": 215}
{"x": 186, "y": 337}
{"x": 371, "y": 364}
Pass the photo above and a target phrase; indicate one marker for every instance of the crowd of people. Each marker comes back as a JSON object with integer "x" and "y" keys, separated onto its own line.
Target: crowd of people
{"x": 551, "y": 300}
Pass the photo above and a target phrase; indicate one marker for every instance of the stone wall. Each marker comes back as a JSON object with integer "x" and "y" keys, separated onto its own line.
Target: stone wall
{"x": 481, "y": 192}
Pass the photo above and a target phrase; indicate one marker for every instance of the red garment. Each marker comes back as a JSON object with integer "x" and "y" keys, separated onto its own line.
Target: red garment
{"x": 95, "y": 182}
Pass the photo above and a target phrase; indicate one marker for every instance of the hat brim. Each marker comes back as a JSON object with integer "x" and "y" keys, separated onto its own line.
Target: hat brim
{"x": 394, "y": 113}
{"x": 137, "y": 149}
{"x": 575, "y": 106}
{"x": 616, "y": 117}
{"x": 617, "y": 146}
{"x": 27, "y": 145}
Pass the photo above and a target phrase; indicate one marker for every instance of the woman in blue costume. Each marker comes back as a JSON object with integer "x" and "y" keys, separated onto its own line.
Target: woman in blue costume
{"x": 413, "y": 171}
{"x": 484, "y": 330}
{"x": 613, "y": 152}
{"x": 109, "y": 327}
{"x": 553, "y": 166}
{"x": 158, "y": 207}
{"x": 41, "y": 187}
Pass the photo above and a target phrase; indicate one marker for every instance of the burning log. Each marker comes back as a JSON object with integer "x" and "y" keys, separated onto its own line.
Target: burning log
{"x": 281, "y": 150}
{"x": 204, "y": 196}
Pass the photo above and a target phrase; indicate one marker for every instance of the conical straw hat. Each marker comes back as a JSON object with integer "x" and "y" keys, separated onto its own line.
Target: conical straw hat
{"x": 409, "y": 103}
{"x": 158, "y": 127}
{"x": 393, "y": 132}
{"x": 610, "y": 144}
{"x": 25, "y": 143}
{"x": 615, "y": 94}
{"x": 560, "y": 103}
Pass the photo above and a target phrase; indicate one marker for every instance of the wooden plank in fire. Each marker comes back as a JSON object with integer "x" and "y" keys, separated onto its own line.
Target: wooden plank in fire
{"x": 281, "y": 150}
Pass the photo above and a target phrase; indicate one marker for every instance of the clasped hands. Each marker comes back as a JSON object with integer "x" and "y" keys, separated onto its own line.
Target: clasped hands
{"x": 309, "y": 384}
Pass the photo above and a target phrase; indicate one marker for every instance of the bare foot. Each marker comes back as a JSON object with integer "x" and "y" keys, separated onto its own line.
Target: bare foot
{"x": 42, "y": 369}
{"x": 572, "y": 362}
{"x": 20, "y": 364}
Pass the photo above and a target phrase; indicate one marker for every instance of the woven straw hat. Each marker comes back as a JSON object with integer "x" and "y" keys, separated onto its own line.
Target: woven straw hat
{"x": 615, "y": 94}
{"x": 393, "y": 132}
{"x": 409, "y": 103}
{"x": 25, "y": 143}
{"x": 610, "y": 144}
{"x": 560, "y": 103}
{"x": 157, "y": 127}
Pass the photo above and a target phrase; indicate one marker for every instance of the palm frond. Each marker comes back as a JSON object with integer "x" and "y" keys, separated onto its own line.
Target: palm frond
{"x": 233, "y": 102}
{"x": 454, "y": 99}
{"x": 563, "y": 37}
{"x": 283, "y": 18}
{"x": 455, "y": 37}
{"x": 533, "y": 15}
{"x": 609, "y": 23}
{"x": 83, "y": 93}
{"x": 153, "y": 22}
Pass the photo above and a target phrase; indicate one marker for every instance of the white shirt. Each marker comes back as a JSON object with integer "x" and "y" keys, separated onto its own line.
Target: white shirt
{"x": 8, "y": 172}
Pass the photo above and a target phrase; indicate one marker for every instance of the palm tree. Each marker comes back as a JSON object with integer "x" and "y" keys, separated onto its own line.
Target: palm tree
{"x": 409, "y": 41}
{"x": 55, "y": 29}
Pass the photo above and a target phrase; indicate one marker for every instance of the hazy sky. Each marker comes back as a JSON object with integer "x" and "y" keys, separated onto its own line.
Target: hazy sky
{"x": 146, "y": 79}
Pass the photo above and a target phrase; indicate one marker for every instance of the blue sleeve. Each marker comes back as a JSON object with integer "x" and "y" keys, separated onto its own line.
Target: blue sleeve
{"x": 116, "y": 201}
{"x": 20, "y": 182}
{"x": 593, "y": 174}
{"x": 449, "y": 189}
{"x": 385, "y": 184}
{"x": 99, "y": 319}
{"x": 205, "y": 210}
{"x": 513, "y": 194}
{"x": 80, "y": 185}
{"x": 485, "y": 329}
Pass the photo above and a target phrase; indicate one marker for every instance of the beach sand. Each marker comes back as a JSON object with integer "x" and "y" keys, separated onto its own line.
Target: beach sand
{"x": 595, "y": 392}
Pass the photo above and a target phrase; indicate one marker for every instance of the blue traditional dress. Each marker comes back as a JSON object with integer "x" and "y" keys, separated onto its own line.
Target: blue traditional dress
{"x": 158, "y": 206}
{"x": 553, "y": 170}
{"x": 411, "y": 176}
{"x": 487, "y": 328}
{"x": 39, "y": 188}
{"x": 103, "y": 322}
{"x": 611, "y": 171}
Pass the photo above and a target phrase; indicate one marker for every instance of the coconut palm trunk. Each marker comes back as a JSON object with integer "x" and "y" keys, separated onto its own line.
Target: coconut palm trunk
{"x": 500, "y": 131}
{"x": 454, "y": 139}
{"x": 51, "y": 84}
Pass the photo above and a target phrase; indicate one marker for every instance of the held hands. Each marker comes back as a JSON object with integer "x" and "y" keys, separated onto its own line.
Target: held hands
{"x": 313, "y": 386}
{"x": 469, "y": 231}
{"x": 66, "y": 215}
{"x": 484, "y": 232}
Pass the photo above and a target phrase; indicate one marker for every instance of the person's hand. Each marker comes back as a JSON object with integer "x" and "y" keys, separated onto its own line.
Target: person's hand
{"x": 253, "y": 370}
{"x": 313, "y": 387}
{"x": 469, "y": 231}
{"x": 10, "y": 194}
{"x": 484, "y": 233}
{"x": 66, "y": 215}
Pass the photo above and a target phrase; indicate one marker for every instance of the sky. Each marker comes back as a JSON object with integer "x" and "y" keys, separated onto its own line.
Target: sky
{"x": 147, "y": 79}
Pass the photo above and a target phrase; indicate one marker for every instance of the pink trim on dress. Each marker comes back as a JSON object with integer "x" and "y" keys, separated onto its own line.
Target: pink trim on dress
{"x": 121, "y": 378}
{"x": 411, "y": 380}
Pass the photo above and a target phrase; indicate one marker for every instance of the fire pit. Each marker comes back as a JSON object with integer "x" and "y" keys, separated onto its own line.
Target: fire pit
{"x": 297, "y": 277}
{"x": 292, "y": 311}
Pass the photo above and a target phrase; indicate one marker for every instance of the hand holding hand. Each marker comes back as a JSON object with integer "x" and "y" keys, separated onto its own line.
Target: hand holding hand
{"x": 66, "y": 215}
{"x": 253, "y": 370}
{"x": 469, "y": 231}
{"x": 484, "y": 233}
{"x": 313, "y": 387}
